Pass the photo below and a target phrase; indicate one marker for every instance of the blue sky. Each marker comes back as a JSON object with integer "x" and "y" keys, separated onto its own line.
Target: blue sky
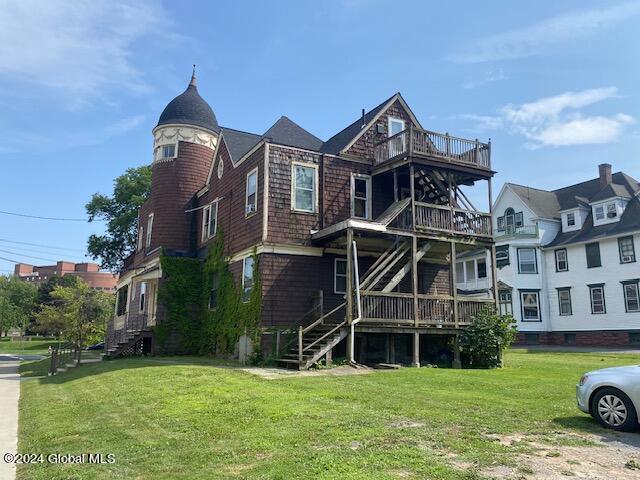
{"x": 553, "y": 84}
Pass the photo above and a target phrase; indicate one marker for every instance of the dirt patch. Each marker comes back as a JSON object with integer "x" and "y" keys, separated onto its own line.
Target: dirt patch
{"x": 559, "y": 455}
{"x": 406, "y": 424}
{"x": 279, "y": 373}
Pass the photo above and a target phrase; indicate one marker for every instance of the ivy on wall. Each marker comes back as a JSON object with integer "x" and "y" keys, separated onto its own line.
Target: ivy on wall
{"x": 205, "y": 306}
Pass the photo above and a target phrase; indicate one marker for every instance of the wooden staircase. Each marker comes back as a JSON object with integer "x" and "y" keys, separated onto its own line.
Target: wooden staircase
{"x": 129, "y": 340}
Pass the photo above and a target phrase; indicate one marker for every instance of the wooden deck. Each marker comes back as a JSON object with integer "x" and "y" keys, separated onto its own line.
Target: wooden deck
{"x": 434, "y": 311}
{"x": 417, "y": 143}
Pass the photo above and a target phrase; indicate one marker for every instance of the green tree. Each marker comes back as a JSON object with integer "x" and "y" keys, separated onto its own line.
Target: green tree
{"x": 18, "y": 301}
{"x": 78, "y": 314}
{"x": 45, "y": 289}
{"x": 120, "y": 211}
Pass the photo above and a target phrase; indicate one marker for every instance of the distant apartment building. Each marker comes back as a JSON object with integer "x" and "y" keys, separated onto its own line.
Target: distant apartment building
{"x": 88, "y": 272}
{"x": 567, "y": 263}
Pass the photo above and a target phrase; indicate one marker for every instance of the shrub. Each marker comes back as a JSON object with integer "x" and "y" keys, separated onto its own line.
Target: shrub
{"x": 483, "y": 342}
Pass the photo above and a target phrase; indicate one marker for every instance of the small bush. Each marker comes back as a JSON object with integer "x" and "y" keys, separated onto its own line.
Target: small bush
{"x": 484, "y": 341}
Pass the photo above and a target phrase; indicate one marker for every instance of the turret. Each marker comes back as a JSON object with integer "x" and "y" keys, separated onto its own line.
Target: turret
{"x": 184, "y": 142}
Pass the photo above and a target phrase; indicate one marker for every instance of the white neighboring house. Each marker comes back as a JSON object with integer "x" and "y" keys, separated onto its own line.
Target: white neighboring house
{"x": 567, "y": 262}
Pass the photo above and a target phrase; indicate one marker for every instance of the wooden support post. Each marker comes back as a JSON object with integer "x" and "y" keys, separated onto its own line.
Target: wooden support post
{"x": 396, "y": 195}
{"x": 416, "y": 349}
{"x": 392, "y": 348}
{"x": 456, "y": 352}
{"x": 413, "y": 196}
{"x": 454, "y": 282}
{"x": 278, "y": 342}
{"x": 494, "y": 277}
{"x": 349, "y": 295}
{"x": 300, "y": 345}
{"x": 387, "y": 348}
{"x": 328, "y": 358}
{"x": 414, "y": 279}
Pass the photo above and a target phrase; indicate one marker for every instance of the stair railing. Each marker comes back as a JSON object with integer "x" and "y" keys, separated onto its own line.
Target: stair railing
{"x": 319, "y": 321}
{"x": 61, "y": 355}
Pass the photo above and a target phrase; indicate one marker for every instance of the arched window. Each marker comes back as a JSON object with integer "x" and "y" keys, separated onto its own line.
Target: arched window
{"x": 509, "y": 220}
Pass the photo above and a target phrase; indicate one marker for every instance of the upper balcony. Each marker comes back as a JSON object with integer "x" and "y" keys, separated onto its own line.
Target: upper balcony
{"x": 513, "y": 232}
{"x": 415, "y": 143}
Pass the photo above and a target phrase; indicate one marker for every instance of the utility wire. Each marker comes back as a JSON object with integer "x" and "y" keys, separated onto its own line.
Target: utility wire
{"x": 39, "y": 245}
{"x": 38, "y": 217}
{"x": 20, "y": 251}
{"x": 27, "y": 256}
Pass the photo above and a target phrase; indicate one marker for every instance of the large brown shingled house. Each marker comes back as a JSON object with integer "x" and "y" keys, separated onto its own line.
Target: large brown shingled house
{"x": 383, "y": 191}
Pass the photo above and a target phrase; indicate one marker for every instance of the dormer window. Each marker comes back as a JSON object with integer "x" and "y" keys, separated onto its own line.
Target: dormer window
{"x": 599, "y": 212}
{"x": 571, "y": 219}
{"x": 612, "y": 211}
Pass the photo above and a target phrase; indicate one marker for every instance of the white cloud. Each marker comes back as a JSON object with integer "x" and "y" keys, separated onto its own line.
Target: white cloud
{"x": 490, "y": 76}
{"x": 17, "y": 142}
{"x": 76, "y": 49}
{"x": 557, "y": 121}
{"x": 541, "y": 36}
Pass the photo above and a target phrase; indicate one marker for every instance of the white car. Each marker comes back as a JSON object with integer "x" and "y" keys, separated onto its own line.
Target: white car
{"x": 611, "y": 396}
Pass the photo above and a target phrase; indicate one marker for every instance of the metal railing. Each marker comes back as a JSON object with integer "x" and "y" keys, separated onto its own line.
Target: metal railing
{"x": 61, "y": 355}
{"x": 424, "y": 143}
{"x": 515, "y": 232}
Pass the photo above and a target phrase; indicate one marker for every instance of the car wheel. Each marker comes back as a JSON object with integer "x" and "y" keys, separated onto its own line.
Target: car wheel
{"x": 613, "y": 409}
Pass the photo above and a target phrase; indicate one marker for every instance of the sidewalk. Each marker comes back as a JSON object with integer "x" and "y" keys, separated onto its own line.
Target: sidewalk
{"x": 9, "y": 395}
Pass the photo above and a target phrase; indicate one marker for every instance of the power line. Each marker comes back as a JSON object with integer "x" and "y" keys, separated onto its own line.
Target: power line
{"x": 27, "y": 256}
{"x": 38, "y": 217}
{"x": 39, "y": 245}
{"x": 31, "y": 250}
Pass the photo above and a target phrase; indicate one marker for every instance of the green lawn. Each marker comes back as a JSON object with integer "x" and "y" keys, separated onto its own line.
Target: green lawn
{"x": 31, "y": 347}
{"x": 187, "y": 418}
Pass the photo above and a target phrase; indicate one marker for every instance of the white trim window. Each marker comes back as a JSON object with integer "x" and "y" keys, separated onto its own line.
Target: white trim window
{"x": 562, "y": 264}
{"x": 626, "y": 249}
{"x": 596, "y": 294}
{"x": 140, "y": 238}
{"x": 143, "y": 297}
{"x": 248, "y": 265}
{"x": 149, "y": 229}
{"x": 167, "y": 151}
{"x": 361, "y": 196}
{"x": 304, "y": 187}
{"x": 209, "y": 221}
{"x": 505, "y": 305}
{"x": 398, "y": 144}
{"x": 564, "y": 301}
{"x": 599, "y": 212}
{"x": 631, "y": 297}
{"x": 251, "y": 198}
{"x": 530, "y": 302}
{"x": 571, "y": 219}
{"x": 527, "y": 260}
{"x": 340, "y": 275}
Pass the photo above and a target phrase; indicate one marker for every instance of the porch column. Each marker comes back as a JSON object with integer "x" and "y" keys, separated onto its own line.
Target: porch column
{"x": 349, "y": 294}
{"x": 494, "y": 276}
{"x": 416, "y": 349}
{"x": 416, "y": 313}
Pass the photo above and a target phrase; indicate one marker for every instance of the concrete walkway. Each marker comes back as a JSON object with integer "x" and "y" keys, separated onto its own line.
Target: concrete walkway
{"x": 9, "y": 395}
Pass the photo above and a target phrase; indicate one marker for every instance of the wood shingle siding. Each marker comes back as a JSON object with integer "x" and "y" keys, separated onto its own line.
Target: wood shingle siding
{"x": 240, "y": 231}
{"x": 363, "y": 147}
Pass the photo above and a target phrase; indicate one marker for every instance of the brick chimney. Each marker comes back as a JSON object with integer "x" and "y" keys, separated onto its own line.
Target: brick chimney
{"x": 604, "y": 169}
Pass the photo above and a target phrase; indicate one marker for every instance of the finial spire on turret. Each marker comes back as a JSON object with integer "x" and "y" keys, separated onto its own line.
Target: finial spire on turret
{"x": 193, "y": 76}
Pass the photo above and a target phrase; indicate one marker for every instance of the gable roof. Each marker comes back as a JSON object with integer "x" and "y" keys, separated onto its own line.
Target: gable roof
{"x": 341, "y": 140}
{"x": 238, "y": 142}
{"x": 542, "y": 203}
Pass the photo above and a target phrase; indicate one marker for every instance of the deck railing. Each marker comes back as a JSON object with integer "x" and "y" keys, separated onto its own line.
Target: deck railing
{"x": 525, "y": 231}
{"x": 452, "y": 220}
{"x": 424, "y": 143}
{"x": 433, "y": 310}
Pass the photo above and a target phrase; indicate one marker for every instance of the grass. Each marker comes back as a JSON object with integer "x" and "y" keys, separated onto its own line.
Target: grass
{"x": 184, "y": 418}
{"x": 31, "y": 347}
{"x": 37, "y": 368}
